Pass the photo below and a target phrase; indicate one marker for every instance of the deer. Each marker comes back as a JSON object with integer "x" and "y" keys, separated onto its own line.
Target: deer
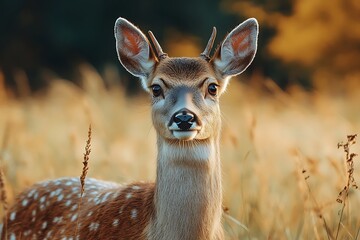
{"x": 185, "y": 201}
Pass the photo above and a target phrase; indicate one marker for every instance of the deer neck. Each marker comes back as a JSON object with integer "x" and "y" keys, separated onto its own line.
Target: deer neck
{"x": 188, "y": 194}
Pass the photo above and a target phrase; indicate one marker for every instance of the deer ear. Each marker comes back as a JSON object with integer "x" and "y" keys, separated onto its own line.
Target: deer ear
{"x": 133, "y": 49}
{"x": 237, "y": 50}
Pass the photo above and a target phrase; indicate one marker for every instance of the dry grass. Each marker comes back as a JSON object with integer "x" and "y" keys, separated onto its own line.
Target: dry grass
{"x": 350, "y": 182}
{"x": 85, "y": 162}
{"x": 281, "y": 166}
{"x": 83, "y": 175}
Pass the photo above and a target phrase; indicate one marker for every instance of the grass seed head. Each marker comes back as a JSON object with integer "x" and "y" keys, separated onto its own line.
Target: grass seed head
{"x": 349, "y": 161}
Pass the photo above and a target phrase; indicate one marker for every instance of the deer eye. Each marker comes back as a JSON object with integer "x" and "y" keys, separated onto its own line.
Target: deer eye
{"x": 156, "y": 90}
{"x": 213, "y": 89}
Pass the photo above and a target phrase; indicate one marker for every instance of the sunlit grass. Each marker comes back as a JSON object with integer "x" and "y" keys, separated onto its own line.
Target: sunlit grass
{"x": 281, "y": 164}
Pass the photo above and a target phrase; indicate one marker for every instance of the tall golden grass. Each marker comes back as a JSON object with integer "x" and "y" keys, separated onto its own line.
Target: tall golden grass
{"x": 282, "y": 170}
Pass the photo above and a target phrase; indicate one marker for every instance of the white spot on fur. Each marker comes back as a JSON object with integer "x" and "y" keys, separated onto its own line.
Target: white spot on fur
{"x": 94, "y": 226}
{"x": 58, "y": 191}
{"x": 31, "y": 193}
{"x": 68, "y": 202}
{"x": 115, "y": 222}
{"x": 24, "y": 202}
{"x": 42, "y": 207}
{"x": 74, "y": 180}
{"x": 68, "y": 183}
{"x": 57, "y": 219}
{"x": 44, "y": 225}
{"x": 44, "y": 184}
{"x": 136, "y": 187}
{"x": 68, "y": 196}
{"x": 74, "y": 217}
{"x": 134, "y": 213}
{"x": 33, "y": 213}
{"x": 42, "y": 199}
{"x": 48, "y": 234}
{"x": 128, "y": 196}
{"x": 105, "y": 197}
{"x": 92, "y": 187}
{"x": 12, "y": 216}
{"x": 60, "y": 197}
{"x": 121, "y": 209}
{"x": 12, "y": 236}
{"x": 74, "y": 207}
{"x": 89, "y": 214}
{"x": 115, "y": 195}
{"x": 27, "y": 233}
{"x": 79, "y": 195}
{"x": 97, "y": 200}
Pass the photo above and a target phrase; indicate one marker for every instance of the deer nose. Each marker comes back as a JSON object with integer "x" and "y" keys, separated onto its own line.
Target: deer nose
{"x": 184, "y": 119}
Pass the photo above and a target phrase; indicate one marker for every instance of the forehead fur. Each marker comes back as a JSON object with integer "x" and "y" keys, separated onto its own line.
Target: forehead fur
{"x": 183, "y": 68}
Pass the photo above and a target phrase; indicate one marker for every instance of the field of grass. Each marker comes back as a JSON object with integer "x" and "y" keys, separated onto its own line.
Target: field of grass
{"x": 282, "y": 169}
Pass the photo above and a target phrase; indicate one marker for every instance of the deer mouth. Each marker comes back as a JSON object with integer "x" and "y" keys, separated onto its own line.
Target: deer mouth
{"x": 188, "y": 133}
{"x": 185, "y": 135}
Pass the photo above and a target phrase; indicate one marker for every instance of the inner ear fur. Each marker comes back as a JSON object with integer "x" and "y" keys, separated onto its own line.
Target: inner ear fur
{"x": 237, "y": 50}
{"x": 133, "y": 49}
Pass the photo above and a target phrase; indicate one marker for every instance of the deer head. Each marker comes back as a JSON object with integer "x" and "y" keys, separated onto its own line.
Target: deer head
{"x": 185, "y": 91}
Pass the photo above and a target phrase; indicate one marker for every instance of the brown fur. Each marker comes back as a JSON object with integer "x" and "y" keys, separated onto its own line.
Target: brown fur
{"x": 47, "y": 214}
{"x": 183, "y": 68}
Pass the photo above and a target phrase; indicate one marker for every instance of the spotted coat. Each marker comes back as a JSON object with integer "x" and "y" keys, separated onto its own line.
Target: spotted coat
{"x": 50, "y": 210}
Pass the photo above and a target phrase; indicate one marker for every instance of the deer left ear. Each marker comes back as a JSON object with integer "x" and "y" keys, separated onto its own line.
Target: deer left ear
{"x": 133, "y": 49}
{"x": 237, "y": 50}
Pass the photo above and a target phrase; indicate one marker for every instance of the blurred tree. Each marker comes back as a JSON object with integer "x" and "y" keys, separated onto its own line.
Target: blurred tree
{"x": 299, "y": 40}
{"x": 319, "y": 37}
{"x": 38, "y": 35}
{"x": 323, "y": 36}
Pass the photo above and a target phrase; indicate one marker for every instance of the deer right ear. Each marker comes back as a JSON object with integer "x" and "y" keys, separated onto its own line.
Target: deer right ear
{"x": 133, "y": 49}
{"x": 237, "y": 50}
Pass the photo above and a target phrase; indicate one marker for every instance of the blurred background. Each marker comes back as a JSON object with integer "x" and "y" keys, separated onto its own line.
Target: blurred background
{"x": 301, "y": 42}
{"x": 282, "y": 119}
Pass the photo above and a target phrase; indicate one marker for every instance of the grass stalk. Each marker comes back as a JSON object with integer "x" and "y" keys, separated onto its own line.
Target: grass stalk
{"x": 83, "y": 175}
{"x": 350, "y": 182}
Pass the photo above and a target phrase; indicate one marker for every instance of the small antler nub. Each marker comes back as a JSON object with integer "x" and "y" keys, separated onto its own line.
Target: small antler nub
{"x": 158, "y": 50}
{"x": 205, "y": 54}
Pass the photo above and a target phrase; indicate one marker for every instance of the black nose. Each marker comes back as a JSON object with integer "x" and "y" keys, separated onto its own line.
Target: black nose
{"x": 184, "y": 119}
